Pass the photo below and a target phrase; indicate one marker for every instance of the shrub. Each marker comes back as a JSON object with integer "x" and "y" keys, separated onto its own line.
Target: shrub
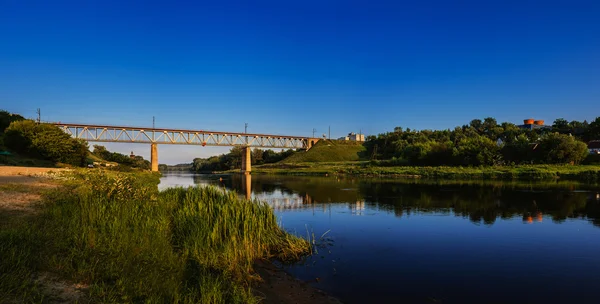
{"x": 46, "y": 142}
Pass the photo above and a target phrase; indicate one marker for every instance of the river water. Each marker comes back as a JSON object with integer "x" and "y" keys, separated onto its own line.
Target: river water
{"x": 386, "y": 241}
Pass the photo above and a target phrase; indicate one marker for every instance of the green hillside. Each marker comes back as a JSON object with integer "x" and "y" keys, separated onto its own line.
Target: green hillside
{"x": 328, "y": 151}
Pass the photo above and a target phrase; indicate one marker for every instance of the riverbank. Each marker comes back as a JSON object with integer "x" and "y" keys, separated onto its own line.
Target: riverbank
{"x": 584, "y": 173}
{"x": 107, "y": 237}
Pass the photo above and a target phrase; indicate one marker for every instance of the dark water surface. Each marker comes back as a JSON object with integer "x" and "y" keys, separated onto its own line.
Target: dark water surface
{"x": 416, "y": 242}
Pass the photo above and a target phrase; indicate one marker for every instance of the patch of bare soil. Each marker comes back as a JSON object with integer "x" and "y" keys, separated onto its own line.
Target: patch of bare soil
{"x": 30, "y": 171}
{"x": 20, "y": 195}
{"x": 60, "y": 291}
{"x": 280, "y": 287}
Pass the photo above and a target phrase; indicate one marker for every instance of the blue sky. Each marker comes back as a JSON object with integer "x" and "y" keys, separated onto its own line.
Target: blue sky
{"x": 287, "y": 67}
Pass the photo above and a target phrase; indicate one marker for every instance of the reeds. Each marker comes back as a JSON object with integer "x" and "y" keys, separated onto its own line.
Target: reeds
{"x": 131, "y": 243}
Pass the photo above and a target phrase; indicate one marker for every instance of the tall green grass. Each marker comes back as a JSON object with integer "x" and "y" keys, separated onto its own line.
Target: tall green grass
{"x": 132, "y": 243}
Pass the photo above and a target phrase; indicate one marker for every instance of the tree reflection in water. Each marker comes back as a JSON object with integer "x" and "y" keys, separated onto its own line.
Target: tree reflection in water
{"x": 480, "y": 202}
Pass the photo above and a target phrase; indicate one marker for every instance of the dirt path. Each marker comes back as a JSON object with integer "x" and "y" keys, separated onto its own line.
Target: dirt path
{"x": 20, "y": 196}
{"x": 26, "y": 171}
{"x": 21, "y": 191}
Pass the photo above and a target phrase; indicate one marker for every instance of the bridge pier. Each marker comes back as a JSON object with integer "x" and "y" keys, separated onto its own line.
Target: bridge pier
{"x": 246, "y": 161}
{"x": 247, "y": 178}
{"x": 154, "y": 157}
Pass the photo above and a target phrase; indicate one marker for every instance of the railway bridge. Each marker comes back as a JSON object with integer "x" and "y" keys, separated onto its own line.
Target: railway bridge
{"x": 156, "y": 136}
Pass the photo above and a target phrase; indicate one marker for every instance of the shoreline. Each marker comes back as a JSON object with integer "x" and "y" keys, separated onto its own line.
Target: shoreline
{"x": 582, "y": 173}
{"x": 22, "y": 191}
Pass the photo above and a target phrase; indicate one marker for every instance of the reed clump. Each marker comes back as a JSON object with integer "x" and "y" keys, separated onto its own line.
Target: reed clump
{"x": 116, "y": 233}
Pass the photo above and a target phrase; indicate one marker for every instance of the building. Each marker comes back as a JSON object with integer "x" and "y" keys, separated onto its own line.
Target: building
{"x": 594, "y": 147}
{"x": 353, "y": 137}
{"x": 532, "y": 124}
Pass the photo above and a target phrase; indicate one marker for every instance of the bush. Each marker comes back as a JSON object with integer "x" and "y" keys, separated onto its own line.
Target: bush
{"x": 561, "y": 149}
{"x": 45, "y": 141}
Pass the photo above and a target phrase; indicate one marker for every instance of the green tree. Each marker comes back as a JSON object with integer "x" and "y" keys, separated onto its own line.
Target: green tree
{"x": 6, "y": 118}
{"x": 257, "y": 157}
{"x": 560, "y": 125}
{"x": 593, "y": 132}
{"x": 561, "y": 149}
{"x": 45, "y": 141}
{"x": 477, "y": 151}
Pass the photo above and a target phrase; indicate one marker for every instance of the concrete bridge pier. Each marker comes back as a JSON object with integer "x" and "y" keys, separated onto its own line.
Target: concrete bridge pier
{"x": 246, "y": 161}
{"x": 247, "y": 178}
{"x": 154, "y": 157}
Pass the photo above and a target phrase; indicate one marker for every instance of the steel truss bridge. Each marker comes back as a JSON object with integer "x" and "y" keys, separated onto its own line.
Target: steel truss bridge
{"x": 155, "y": 136}
{"x": 182, "y": 137}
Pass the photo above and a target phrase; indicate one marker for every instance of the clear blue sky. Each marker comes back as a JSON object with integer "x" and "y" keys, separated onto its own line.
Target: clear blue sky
{"x": 287, "y": 67}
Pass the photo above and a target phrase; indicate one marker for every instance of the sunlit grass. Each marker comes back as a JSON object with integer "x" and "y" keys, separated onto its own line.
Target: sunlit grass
{"x": 585, "y": 173}
{"x": 131, "y": 243}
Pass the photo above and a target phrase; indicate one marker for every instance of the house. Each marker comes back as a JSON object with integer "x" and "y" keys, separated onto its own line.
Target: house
{"x": 353, "y": 137}
{"x": 594, "y": 147}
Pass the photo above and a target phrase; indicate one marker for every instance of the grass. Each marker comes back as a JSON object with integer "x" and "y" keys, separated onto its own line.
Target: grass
{"x": 328, "y": 151}
{"x": 131, "y": 243}
{"x": 585, "y": 173}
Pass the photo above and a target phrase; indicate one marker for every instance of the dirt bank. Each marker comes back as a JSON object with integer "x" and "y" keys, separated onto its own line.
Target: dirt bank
{"x": 278, "y": 287}
{"x": 27, "y": 171}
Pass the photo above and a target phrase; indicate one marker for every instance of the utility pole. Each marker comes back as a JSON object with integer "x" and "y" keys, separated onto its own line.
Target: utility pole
{"x": 153, "y": 121}
{"x": 330, "y": 132}
{"x": 314, "y": 130}
{"x": 39, "y": 116}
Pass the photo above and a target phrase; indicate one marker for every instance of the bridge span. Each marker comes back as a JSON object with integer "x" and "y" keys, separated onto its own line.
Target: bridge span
{"x": 156, "y": 136}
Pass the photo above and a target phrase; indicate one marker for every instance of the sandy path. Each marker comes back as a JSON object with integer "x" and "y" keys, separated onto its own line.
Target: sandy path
{"x": 34, "y": 171}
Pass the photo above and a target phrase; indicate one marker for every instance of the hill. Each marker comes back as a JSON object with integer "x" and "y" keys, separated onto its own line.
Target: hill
{"x": 328, "y": 151}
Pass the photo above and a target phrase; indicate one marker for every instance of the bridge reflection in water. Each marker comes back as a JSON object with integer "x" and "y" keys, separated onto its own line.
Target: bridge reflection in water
{"x": 280, "y": 200}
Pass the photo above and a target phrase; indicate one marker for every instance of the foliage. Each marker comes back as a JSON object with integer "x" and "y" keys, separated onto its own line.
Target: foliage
{"x": 559, "y": 149}
{"x": 484, "y": 143}
{"x": 45, "y": 141}
{"x": 7, "y": 118}
{"x": 398, "y": 168}
{"x": 233, "y": 159}
{"x": 122, "y": 159}
{"x": 132, "y": 243}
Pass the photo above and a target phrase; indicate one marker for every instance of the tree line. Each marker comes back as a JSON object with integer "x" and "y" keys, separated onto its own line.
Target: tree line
{"x": 233, "y": 159}
{"x": 485, "y": 143}
{"x": 48, "y": 142}
{"x": 122, "y": 159}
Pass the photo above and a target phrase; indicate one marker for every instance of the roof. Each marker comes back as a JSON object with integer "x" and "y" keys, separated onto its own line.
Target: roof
{"x": 594, "y": 144}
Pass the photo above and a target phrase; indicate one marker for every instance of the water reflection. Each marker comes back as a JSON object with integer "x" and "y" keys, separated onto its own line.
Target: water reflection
{"x": 443, "y": 242}
{"x": 481, "y": 203}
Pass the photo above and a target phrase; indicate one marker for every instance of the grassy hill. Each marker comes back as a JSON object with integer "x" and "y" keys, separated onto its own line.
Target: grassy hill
{"x": 328, "y": 151}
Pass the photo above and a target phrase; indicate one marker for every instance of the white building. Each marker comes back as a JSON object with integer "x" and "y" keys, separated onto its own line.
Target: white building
{"x": 353, "y": 137}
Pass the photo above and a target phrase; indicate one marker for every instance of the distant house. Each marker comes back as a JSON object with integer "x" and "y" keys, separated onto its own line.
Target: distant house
{"x": 353, "y": 137}
{"x": 594, "y": 147}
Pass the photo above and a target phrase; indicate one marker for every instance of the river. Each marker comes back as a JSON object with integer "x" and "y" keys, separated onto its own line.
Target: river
{"x": 390, "y": 241}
